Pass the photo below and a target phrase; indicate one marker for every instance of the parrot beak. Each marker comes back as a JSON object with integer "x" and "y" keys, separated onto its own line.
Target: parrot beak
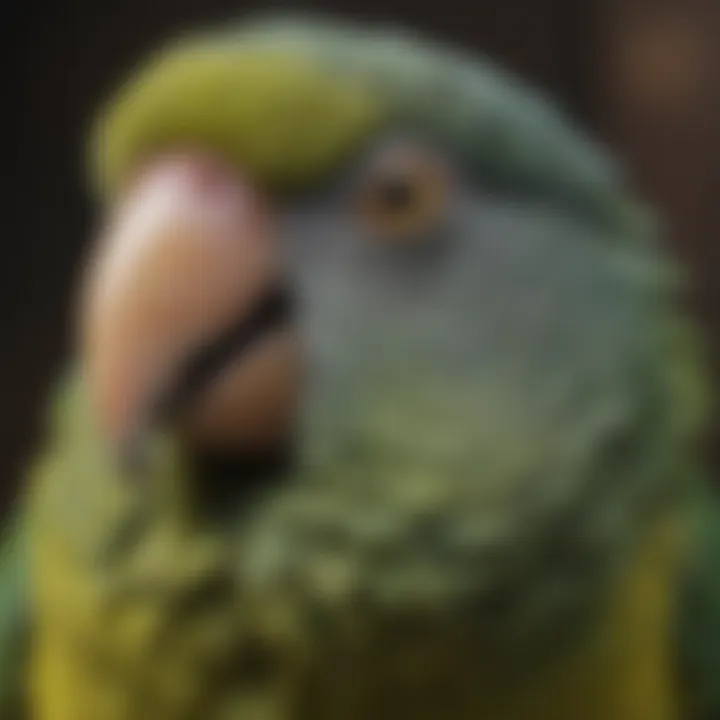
{"x": 183, "y": 315}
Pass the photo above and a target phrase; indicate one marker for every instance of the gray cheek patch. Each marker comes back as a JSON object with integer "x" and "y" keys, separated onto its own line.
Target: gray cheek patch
{"x": 508, "y": 284}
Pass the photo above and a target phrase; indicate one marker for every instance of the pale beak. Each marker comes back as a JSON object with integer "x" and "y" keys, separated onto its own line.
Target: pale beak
{"x": 182, "y": 316}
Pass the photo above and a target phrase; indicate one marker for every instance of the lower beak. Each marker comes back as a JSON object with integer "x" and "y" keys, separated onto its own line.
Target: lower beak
{"x": 182, "y": 314}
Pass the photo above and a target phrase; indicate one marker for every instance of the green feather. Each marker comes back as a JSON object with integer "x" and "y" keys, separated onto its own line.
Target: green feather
{"x": 14, "y": 617}
{"x": 700, "y": 624}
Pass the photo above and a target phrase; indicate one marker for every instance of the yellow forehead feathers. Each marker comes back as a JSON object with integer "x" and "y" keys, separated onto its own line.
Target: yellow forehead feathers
{"x": 279, "y": 116}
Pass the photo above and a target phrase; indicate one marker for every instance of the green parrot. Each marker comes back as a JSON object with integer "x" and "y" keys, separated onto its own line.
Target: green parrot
{"x": 384, "y": 405}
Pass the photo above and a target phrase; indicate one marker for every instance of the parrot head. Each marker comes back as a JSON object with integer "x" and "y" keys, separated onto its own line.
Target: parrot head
{"x": 416, "y": 266}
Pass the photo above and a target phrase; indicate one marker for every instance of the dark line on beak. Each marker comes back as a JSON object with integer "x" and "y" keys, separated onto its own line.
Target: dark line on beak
{"x": 272, "y": 311}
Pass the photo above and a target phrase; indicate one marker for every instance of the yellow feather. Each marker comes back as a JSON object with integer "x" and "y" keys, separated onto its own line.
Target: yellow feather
{"x": 281, "y": 118}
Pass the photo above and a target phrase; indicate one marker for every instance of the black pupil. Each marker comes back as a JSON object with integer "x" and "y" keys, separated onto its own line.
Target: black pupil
{"x": 395, "y": 194}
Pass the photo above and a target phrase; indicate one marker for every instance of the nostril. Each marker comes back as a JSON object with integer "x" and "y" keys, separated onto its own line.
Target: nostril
{"x": 208, "y": 174}
{"x": 211, "y": 176}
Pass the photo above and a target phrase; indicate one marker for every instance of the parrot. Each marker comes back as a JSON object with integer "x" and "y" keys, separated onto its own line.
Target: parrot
{"x": 384, "y": 403}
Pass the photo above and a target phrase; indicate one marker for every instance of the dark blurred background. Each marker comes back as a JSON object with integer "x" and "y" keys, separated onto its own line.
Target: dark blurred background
{"x": 643, "y": 75}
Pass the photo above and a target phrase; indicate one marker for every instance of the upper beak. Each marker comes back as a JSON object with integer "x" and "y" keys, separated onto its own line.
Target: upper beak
{"x": 185, "y": 258}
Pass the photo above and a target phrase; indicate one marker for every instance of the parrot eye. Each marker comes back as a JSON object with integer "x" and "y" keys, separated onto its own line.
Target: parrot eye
{"x": 403, "y": 193}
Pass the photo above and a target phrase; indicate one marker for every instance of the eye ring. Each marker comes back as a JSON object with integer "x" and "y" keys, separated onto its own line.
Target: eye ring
{"x": 403, "y": 193}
